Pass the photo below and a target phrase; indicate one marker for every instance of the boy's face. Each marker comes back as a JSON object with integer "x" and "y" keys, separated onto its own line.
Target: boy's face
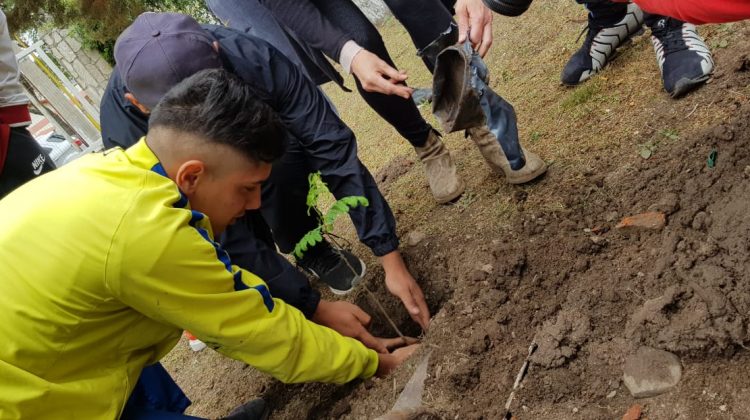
{"x": 225, "y": 189}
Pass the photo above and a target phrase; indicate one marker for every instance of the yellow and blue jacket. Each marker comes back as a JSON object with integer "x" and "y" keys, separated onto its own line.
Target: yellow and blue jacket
{"x": 103, "y": 264}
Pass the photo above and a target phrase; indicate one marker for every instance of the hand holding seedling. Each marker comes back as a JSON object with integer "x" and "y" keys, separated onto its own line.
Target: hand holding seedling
{"x": 401, "y": 284}
{"x": 349, "y": 320}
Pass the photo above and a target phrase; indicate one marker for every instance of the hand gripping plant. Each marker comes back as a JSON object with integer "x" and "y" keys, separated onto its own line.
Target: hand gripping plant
{"x": 325, "y": 230}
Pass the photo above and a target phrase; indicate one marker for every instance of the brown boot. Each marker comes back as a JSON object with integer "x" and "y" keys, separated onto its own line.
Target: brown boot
{"x": 445, "y": 184}
{"x": 494, "y": 156}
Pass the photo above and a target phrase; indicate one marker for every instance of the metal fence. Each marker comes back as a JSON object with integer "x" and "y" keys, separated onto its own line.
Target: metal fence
{"x": 58, "y": 97}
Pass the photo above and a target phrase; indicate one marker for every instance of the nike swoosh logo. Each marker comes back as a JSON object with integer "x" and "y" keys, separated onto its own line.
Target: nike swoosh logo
{"x": 40, "y": 166}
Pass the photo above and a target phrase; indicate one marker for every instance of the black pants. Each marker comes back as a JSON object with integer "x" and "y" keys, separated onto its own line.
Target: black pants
{"x": 25, "y": 160}
{"x": 401, "y": 113}
{"x": 425, "y": 20}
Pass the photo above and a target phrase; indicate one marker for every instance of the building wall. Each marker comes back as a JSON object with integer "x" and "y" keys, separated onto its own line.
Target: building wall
{"x": 88, "y": 69}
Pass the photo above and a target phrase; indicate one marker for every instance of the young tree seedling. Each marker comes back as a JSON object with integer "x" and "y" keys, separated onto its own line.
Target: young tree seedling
{"x": 325, "y": 230}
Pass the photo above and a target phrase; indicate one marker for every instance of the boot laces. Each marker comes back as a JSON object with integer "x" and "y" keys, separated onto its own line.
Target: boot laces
{"x": 669, "y": 34}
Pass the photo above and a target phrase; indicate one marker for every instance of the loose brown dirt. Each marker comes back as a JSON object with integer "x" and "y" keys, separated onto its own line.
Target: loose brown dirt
{"x": 506, "y": 266}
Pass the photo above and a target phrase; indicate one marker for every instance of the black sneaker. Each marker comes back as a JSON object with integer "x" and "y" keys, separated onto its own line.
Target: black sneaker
{"x": 684, "y": 59}
{"x": 326, "y": 264}
{"x": 253, "y": 410}
{"x": 600, "y": 45}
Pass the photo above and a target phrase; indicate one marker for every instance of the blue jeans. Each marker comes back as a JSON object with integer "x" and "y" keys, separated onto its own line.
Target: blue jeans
{"x": 156, "y": 396}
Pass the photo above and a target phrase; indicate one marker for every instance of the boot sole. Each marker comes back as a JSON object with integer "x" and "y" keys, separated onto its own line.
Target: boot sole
{"x": 452, "y": 197}
{"x": 528, "y": 178}
{"x": 685, "y": 86}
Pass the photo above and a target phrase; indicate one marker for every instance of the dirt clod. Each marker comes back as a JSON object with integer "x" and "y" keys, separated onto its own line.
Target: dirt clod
{"x": 560, "y": 339}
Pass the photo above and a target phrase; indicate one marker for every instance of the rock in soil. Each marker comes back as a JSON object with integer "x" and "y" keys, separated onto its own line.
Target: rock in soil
{"x": 633, "y": 413}
{"x": 414, "y": 237}
{"x": 651, "y": 372}
{"x": 650, "y": 221}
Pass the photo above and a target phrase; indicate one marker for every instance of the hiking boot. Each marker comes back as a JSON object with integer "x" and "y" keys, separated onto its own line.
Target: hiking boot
{"x": 684, "y": 59}
{"x": 445, "y": 183}
{"x": 602, "y": 40}
{"x": 253, "y": 410}
{"x": 326, "y": 264}
{"x": 493, "y": 154}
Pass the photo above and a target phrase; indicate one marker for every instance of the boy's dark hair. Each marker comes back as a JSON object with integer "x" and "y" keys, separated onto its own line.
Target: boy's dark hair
{"x": 220, "y": 107}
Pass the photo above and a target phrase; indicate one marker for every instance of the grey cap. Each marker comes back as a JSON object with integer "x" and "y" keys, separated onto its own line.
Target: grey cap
{"x": 158, "y": 50}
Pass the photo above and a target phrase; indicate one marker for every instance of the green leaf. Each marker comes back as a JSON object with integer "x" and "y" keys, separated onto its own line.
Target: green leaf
{"x": 645, "y": 152}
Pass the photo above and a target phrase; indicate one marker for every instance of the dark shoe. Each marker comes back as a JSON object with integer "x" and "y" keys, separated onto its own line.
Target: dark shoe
{"x": 508, "y": 7}
{"x": 600, "y": 45}
{"x": 253, "y": 410}
{"x": 326, "y": 264}
{"x": 684, "y": 59}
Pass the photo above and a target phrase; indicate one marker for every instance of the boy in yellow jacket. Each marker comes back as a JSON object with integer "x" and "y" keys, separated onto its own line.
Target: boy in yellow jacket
{"x": 105, "y": 261}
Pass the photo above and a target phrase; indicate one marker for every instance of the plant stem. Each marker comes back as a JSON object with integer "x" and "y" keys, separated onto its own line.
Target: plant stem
{"x": 369, "y": 292}
{"x": 382, "y": 310}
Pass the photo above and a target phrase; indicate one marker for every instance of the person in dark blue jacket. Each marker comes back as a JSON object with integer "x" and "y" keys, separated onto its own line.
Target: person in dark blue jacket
{"x": 319, "y": 141}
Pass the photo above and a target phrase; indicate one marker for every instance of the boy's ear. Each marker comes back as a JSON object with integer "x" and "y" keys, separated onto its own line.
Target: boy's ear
{"x": 189, "y": 176}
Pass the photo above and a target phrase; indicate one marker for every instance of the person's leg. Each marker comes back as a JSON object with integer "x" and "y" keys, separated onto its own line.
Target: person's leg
{"x": 684, "y": 60}
{"x": 401, "y": 113}
{"x": 430, "y": 25}
{"x": 424, "y": 20}
{"x": 24, "y": 161}
{"x": 609, "y": 26}
{"x": 156, "y": 396}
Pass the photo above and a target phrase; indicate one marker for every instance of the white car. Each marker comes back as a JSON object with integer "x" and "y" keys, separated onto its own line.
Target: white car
{"x": 60, "y": 150}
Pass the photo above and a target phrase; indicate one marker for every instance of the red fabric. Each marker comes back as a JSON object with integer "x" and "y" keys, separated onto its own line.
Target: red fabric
{"x": 4, "y": 138}
{"x": 15, "y": 115}
{"x": 11, "y": 116}
{"x": 699, "y": 11}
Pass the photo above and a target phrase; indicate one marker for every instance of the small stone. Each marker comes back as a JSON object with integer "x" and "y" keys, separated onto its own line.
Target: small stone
{"x": 747, "y": 171}
{"x": 633, "y": 413}
{"x": 723, "y": 407}
{"x": 414, "y": 237}
{"x": 612, "y": 394}
{"x": 651, "y": 372}
{"x": 649, "y": 221}
{"x": 598, "y": 240}
{"x": 611, "y": 216}
{"x": 488, "y": 268}
{"x": 575, "y": 409}
{"x": 668, "y": 204}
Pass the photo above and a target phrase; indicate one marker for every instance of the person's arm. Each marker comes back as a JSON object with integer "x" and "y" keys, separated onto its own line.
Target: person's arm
{"x": 163, "y": 264}
{"x": 329, "y": 144}
{"x": 311, "y": 26}
{"x": 332, "y": 149}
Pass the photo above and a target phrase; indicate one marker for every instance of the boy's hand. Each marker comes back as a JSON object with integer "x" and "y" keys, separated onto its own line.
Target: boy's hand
{"x": 349, "y": 320}
{"x": 390, "y": 361}
{"x": 401, "y": 284}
